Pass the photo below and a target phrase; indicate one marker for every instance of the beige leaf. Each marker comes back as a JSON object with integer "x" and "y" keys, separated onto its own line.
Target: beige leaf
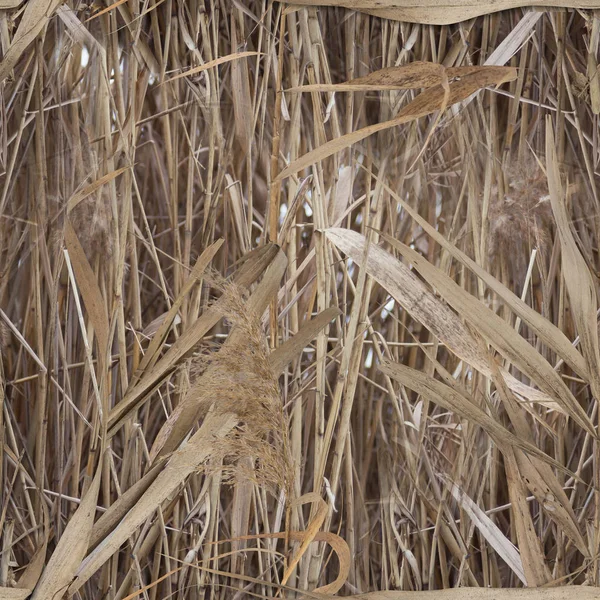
{"x": 71, "y": 547}
{"x": 118, "y": 509}
{"x": 571, "y": 592}
{"x": 491, "y": 532}
{"x": 212, "y": 63}
{"x": 418, "y": 74}
{"x": 252, "y": 267}
{"x": 440, "y": 12}
{"x": 534, "y": 565}
{"x": 180, "y": 466}
{"x": 505, "y": 339}
{"x": 546, "y": 330}
{"x": 578, "y": 279}
{"x": 534, "y": 473}
{"x": 414, "y": 297}
{"x": 82, "y": 194}
{"x": 37, "y": 14}
{"x": 451, "y": 399}
{"x": 7, "y": 593}
{"x": 424, "y": 104}
{"x": 151, "y": 355}
{"x": 89, "y": 289}
{"x": 289, "y": 350}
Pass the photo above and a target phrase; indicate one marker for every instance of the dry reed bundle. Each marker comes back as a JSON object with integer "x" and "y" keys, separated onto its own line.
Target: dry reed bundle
{"x": 297, "y": 302}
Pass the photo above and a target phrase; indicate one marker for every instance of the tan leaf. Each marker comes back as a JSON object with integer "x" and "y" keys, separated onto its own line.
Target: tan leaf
{"x": 546, "y": 330}
{"x": 151, "y": 354}
{"x": 491, "y": 532}
{"x": 423, "y": 305}
{"x": 213, "y": 63}
{"x": 89, "y": 289}
{"x": 439, "y": 12}
{"x": 424, "y": 104}
{"x": 289, "y": 350}
{"x": 578, "y": 279}
{"x": 451, "y": 399}
{"x": 252, "y": 267}
{"x": 36, "y": 16}
{"x": 505, "y": 339}
{"x": 180, "y": 466}
{"x": 71, "y": 547}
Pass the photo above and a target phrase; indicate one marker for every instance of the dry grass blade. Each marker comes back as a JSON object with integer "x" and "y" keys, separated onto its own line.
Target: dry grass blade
{"x": 292, "y": 348}
{"x": 543, "y": 593}
{"x": 88, "y": 286}
{"x": 414, "y": 75}
{"x": 14, "y": 594}
{"x": 440, "y": 12}
{"x": 419, "y": 301}
{"x": 491, "y": 532}
{"x": 111, "y": 518}
{"x": 250, "y": 270}
{"x": 36, "y": 16}
{"x": 580, "y": 285}
{"x": 504, "y": 339}
{"x": 71, "y": 547}
{"x": 426, "y": 103}
{"x": 538, "y": 477}
{"x": 199, "y": 448}
{"x": 93, "y": 187}
{"x": 535, "y": 570}
{"x": 228, "y": 229}
{"x": 450, "y": 399}
{"x": 158, "y": 339}
{"x": 544, "y": 328}
{"x": 211, "y": 64}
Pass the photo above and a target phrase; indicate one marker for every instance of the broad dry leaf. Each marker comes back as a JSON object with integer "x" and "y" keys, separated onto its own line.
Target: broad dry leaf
{"x": 572, "y": 592}
{"x": 311, "y": 530}
{"x": 126, "y": 501}
{"x": 414, "y": 75}
{"x": 71, "y": 547}
{"x": 89, "y": 290}
{"x": 546, "y": 330}
{"x": 212, "y": 63}
{"x": 578, "y": 279}
{"x": 505, "y": 339}
{"x": 253, "y": 266}
{"x": 82, "y": 194}
{"x": 343, "y": 195}
{"x": 534, "y": 565}
{"x": 182, "y": 464}
{"x": 534, "y": 473}
{"x": 424, "y": 104}
{"x": 440, "y": 12}
{"x": 424, "y": 306}
{"x": 418, "y": 74}
{"x": 291, "y": 349}
{"x": 542, "y": 483}
{"x": 7, "y": 593}
{"x": 36, "y": 16}
{"x": 491, "y": 532}
{"x": 31, "y": 575}
{"x": 151, "y": 354}
{"x": 455, "y": 401}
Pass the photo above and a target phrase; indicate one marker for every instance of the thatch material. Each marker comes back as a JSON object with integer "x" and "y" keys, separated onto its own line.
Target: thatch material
{"x": 297, "y": 301}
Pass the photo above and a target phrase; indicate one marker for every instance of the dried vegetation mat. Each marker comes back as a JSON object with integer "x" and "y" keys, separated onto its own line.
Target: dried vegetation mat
{"x": 297, "y": 302}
